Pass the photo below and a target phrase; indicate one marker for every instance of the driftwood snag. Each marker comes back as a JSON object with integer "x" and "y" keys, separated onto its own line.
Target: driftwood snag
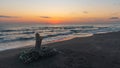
{"x": 38, "y": 41}
{"x": 38, "y": 52}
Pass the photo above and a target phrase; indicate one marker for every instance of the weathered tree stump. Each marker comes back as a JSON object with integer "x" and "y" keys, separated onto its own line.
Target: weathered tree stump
{"x": 30, "y": 55}
{"x": 38, "y": 41}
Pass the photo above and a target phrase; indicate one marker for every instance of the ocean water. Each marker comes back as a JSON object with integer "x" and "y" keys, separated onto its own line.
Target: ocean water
{"x": 20, "y": 35}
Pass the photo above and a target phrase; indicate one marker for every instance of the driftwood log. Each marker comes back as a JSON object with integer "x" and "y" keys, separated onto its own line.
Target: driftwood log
{"x": 30, "y": 55}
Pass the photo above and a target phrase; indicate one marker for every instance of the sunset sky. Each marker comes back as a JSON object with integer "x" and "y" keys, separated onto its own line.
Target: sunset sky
{"x": 59, "y": 11}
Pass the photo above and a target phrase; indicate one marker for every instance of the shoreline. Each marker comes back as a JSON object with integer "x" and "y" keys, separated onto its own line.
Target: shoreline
{"x": 51, "y": 44}
{"x": 97, "y": 51}
{"x": 57, "y": 41}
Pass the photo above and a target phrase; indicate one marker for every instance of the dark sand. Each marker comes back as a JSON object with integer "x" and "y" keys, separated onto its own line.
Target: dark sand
{"x": 98, "y": 51}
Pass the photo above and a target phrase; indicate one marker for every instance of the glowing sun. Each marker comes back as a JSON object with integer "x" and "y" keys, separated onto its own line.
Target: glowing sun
{"x": 54, "y": 21}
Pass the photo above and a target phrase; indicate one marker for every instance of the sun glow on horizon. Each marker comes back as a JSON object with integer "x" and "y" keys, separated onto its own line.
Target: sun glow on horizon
{"x": 59, "y": 11}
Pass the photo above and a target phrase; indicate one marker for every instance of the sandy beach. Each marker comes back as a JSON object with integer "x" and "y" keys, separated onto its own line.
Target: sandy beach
{"x": 98, "y": 51}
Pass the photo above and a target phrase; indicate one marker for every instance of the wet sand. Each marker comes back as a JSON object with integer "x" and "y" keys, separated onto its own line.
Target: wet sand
{"x": 98, "y": 51}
